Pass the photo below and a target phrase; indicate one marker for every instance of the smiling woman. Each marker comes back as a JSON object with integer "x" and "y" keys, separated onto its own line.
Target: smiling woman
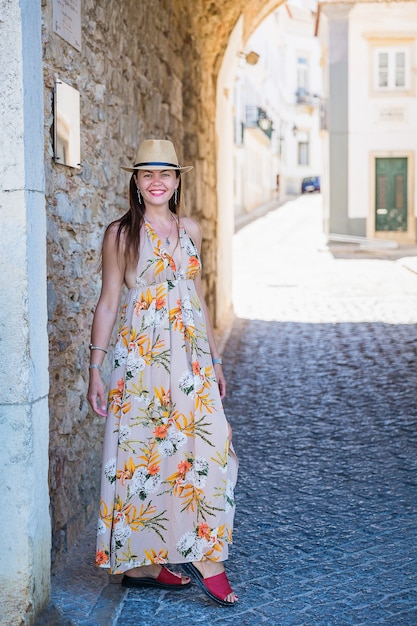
{"x": 169, "y": 468}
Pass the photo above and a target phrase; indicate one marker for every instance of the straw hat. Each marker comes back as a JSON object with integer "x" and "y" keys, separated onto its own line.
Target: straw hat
{"x": 157, "y": 154}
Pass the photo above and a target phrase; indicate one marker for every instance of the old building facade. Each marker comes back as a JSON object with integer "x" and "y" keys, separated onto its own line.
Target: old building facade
{"x": 369, "y": 62}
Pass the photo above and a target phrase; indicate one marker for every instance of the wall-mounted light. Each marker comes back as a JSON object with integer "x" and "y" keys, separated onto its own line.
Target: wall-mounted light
{"x": 251, "y": 57}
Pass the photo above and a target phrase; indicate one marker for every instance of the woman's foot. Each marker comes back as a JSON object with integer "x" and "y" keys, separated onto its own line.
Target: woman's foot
{"x": 211, "y": 577}
{"x": 154, "y": 576}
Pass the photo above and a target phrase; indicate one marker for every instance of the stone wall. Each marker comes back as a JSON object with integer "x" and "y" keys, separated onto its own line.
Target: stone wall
{"x": 146, "y": 69}
{"x": 129, "y": 75}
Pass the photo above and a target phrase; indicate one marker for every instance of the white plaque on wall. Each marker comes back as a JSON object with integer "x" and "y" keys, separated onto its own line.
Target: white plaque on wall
{"x": 67, "y": 125}
{"x": 66, "y": 18}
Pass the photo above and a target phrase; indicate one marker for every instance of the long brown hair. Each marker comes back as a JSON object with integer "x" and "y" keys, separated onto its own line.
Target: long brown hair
{"x": 131, "y": 223}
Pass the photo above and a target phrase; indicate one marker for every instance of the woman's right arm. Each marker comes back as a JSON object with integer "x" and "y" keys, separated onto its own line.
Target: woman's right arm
{"x": 113, "y": 272}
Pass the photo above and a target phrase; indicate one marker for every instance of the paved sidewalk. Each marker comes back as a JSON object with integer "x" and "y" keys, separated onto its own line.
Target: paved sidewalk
{"x": 322, "y": 396}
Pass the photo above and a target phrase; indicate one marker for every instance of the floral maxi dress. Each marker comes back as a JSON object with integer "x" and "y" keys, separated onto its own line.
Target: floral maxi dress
{"x": 168, "y": 470}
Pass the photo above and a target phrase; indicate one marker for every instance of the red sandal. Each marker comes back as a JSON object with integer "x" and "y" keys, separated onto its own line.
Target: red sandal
{"x": 217, "y": 587}
{"x": 165, "y": 580}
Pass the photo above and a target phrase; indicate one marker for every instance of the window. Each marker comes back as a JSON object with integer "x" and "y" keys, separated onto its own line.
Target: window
{"x": 303, "y": 153}
{"x": 302, "y": 75}
{"x": 391, "y": 69}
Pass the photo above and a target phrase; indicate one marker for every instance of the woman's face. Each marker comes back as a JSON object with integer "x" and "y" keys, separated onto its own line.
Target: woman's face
{"x": 157, "y": 186}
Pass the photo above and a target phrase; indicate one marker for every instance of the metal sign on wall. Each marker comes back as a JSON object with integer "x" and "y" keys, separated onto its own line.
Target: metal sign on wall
{"x": 66, "y": 18}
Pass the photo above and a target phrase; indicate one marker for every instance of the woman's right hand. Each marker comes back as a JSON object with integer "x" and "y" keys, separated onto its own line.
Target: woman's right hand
{"x": 96, "y": 394}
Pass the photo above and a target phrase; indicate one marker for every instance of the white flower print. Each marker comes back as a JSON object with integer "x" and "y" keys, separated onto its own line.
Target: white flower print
{"x": 195, "y": 479}
{"x": 149, "y": 316}
{"x": 110, "y": 470}
{"x": 120, "y": 353}
{"x": 186, "y": 542}
{"x": 197, "y": 475}
{"x": 186, "y": 383}
{"x": 187, "y": 312}
{"x": 174, "y": 440}
{"x": 192, "y": 547}
{"x": 166, "y": 448}
{"x": 161, "y": 316}
{"x": 135, "y": 363}
{"x": 198, "y": 382}
{"x": 201, "y": 465}
{"x": 144, "y": 399}
{"x": 223, "y": 468}
{"x": 101, "y": 527}
{"x": 229, "y": 496}
{"x": 143, "y": 484}
{"x": 121, "y": 534}
{"x": 181, "y": 275}
{"x": 124, "y": 434}
{"x": 177, "y": 437}
{"x": 190, "y": 248}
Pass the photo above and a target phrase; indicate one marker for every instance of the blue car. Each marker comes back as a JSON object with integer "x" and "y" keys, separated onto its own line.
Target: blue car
{"x": 309, "y": 184}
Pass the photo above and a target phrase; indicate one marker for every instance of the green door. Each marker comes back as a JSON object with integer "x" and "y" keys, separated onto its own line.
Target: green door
{"x": 391, "y": 194}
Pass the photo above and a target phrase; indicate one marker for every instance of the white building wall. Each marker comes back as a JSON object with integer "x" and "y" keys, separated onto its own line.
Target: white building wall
{"x": 271, "y": 84}
{"x": 371, "y": 129}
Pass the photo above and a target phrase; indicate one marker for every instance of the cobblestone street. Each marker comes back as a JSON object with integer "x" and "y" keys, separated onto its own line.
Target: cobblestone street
{"x": 322, "y": 387}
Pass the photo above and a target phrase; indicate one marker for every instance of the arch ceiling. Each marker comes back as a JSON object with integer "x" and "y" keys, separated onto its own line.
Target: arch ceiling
{"x": 214, "y": 22}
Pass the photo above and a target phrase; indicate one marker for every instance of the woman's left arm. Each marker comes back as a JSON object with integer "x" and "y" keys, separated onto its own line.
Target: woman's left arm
{"x": 194, "y": 229}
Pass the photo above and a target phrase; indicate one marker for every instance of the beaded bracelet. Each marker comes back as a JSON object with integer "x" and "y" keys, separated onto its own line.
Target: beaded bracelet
{"x": 217, "y": 361}
{"x": 91, "y": 347}
{"x": 94, "y": 366}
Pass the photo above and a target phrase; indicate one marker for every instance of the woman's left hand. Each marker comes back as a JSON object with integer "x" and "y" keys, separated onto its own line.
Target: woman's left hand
{"x": 221, "y": 381}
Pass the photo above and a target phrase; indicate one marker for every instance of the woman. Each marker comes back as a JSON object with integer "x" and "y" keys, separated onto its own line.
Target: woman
{"x": 168, "y": 465}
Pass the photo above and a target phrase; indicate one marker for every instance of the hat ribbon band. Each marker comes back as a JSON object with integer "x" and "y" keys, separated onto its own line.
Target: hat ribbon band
{"x": 158, "y": 163}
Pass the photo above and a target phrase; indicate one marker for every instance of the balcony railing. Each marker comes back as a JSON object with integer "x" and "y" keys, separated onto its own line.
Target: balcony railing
{"x": 258, "y": 117}
{"x": 304, "y": 97}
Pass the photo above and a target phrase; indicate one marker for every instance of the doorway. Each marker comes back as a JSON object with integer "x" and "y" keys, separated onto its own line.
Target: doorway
{"x": 391, "y": 194}
{"x": 391, "y": 210}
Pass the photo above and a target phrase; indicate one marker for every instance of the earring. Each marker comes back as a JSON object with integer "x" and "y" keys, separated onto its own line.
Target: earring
{"x": 176, "y": 196}
{"x": 139, "y": 196}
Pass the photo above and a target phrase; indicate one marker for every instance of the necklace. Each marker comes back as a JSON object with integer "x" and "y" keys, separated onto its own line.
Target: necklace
{"x": 167, "y": 238}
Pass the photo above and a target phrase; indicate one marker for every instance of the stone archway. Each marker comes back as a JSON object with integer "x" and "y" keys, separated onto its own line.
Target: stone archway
{"x": 218, "y": 33}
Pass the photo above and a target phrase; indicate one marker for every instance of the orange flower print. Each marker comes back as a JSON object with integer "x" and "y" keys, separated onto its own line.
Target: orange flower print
{"x": 184, "y": 466}
{"x": 153, "y": 557}
{"x": 161, "y": 297}
{"x": 196, "y": 368}
{"x": 101, "y": 557}
{"x": 193, "y": 267}
{"x": 171, "y": 263}
{"x": 160, "y": 432}
{"x": 144, "y": 303}
{"x": 153, "y": 469}
{"x": 163, "y": 396}
{"x": 204, "y": 531}
{"x": 127, "y": 472}
{"x": 116, "y": 395}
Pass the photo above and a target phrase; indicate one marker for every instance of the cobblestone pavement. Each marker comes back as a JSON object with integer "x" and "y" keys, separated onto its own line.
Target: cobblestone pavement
{"x": 322, "y": 388}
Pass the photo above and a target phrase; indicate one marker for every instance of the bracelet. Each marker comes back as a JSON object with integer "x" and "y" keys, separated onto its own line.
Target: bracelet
{"x": 94, "y": 366}
{"x": 217, "y": 361}
{"x": 91, "y": 347}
